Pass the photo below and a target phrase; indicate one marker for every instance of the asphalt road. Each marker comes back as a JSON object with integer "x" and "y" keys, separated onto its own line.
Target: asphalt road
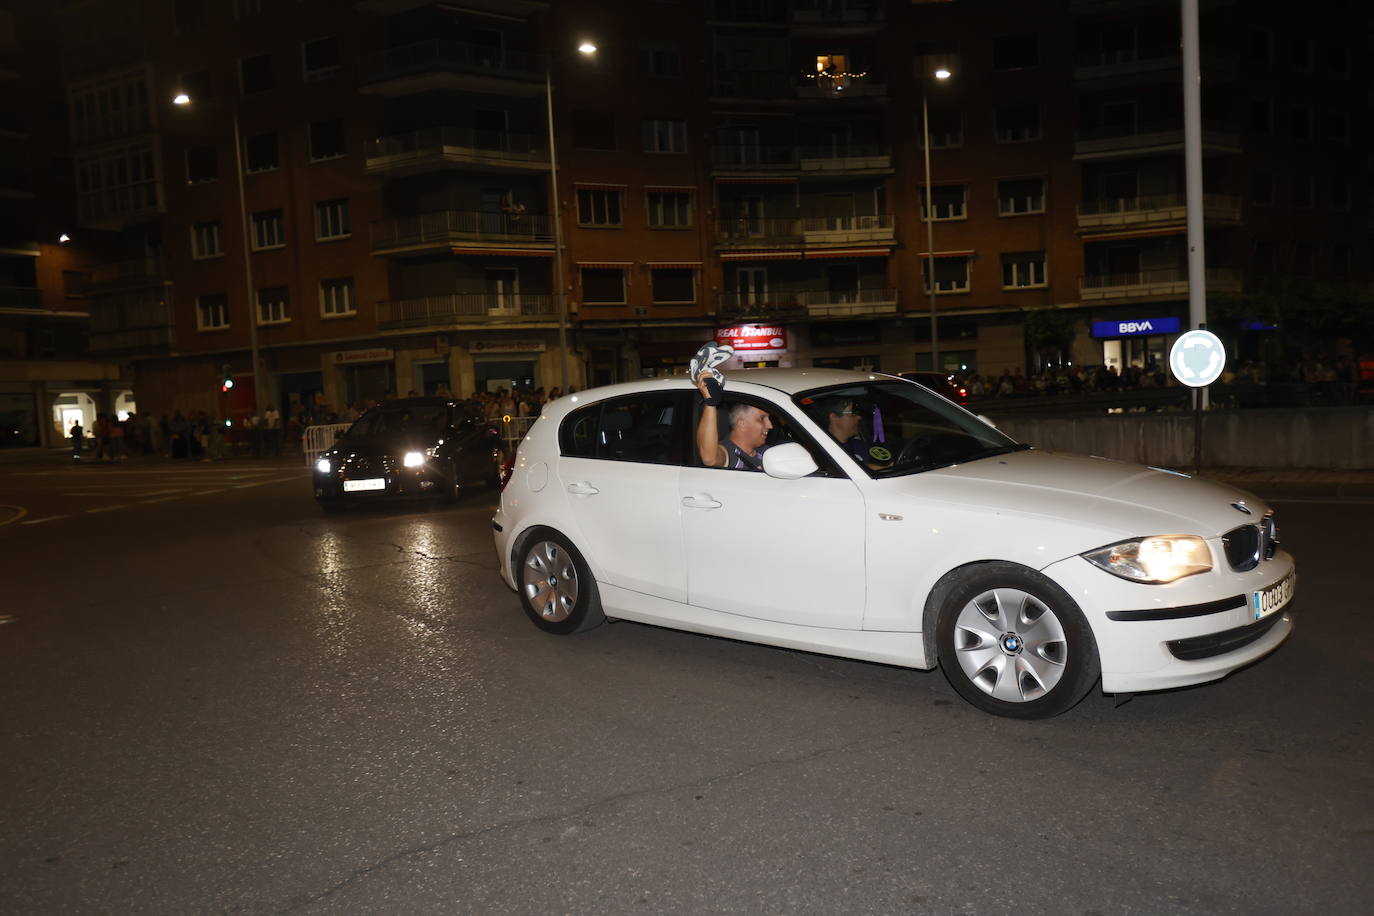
{"x": 215, "y": 698}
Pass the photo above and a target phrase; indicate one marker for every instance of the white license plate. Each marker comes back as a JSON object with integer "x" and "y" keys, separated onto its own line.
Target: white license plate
{"x": 371, "y": 483}
{"x": 1268, "y": 600}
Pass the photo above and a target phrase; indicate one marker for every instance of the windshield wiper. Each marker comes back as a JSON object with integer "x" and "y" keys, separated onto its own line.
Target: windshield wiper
{"x": 995, "y": 451}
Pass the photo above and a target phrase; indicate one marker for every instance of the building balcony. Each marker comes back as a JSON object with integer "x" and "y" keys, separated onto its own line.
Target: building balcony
{"x": 754, "y": 84}
{"x": 445, "y": 229}
{"x": 760, "y": 232}
{"x": 759, "y": 11}
{"x": 825, "y": 86}
{"x": 1155, "y": 283}
{"x": 1124, "y": 141}
{"x": 820, "y": 232}
{"x": 20, "y": 297}
{"x": 452, "y": 309}
{"x": 855, "y": 159}
{"x": 128, "y": 324}
{"x": 129, "y": 274}
{"x": 816, "y": 303}
{"x": 1154, "y": 210}
{"x": 850, "y": 15}
{"x": 437, "y": 148}
{"x": 848, "y": 230}
{"x": 442, "y": 64}
{"x": 1129, "y": 66}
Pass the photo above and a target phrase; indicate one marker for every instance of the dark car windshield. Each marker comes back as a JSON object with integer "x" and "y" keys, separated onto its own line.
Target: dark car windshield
{"x": 902, "y": 428}
{"x": 416, "y": 421}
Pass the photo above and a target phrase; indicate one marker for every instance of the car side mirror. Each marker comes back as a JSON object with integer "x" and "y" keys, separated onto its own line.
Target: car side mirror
{"x": 788, "y": 461}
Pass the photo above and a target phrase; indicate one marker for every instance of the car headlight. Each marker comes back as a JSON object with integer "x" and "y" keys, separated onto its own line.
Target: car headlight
{"x": 323, "y": 466}
{"x": 1154, "y": 560}
{"x": 413, "y": 459}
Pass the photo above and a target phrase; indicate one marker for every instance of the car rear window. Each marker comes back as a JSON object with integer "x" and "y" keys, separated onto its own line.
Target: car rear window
{"x": 638, "y": 428}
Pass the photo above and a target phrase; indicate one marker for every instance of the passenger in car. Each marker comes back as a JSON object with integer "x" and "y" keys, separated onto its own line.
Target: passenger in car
{"x": 743, "y": 449}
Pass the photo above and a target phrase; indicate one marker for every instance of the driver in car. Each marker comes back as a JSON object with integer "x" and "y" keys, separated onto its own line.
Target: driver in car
{"x": 743, "y": 449}
{"x": 842, "y": 422}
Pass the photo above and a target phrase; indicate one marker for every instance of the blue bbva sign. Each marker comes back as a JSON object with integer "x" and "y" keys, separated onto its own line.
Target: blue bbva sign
{"x": 1135, "y": 327}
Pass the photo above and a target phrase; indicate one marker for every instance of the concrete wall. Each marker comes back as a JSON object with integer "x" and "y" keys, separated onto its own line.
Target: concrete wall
{"x": 1336, "y": 437}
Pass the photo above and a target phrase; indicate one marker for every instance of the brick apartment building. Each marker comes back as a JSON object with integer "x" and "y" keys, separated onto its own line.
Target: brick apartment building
{"x": 720, "y": 164}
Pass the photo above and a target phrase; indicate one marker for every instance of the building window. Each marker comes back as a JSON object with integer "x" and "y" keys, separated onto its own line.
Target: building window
{"x": 946, "y": 130}
{"x": 109, "y": 106}
{"x": 212, "y": 312}
{"x": 1305, "y": 192}
{"x": 201, "y": 165}
{"x": 327, "y": 140}
{"x": 117, "y": 183}
{"x": 665, "y": 136}
{"x": 1015, "y": 52}
{"x": 1266, "y": 257}
{"x": 1301, "y": 54}
{"x": 603, "y": 285}
{"x": 1023, "y": 269}
{"x": 1262, "y": 189}
{"x": 260, "y": 153}
{"x": 1338, "y": 61}
{"x": 949, "y": 202}
{"x": 1261, "y": 47}
{"x": 1300, "y": 123}
{"x": 593, "y": 130}
{"x": 951, "y": 275}
{"x": 331, "y": 220}
{"x": 320, "y": 57}
{"x": 1021, "y": 196}
{"x": 598, "y": 208}
{"x": 205, "y": 241}
{"x": 1261, "y": 116}
{"x": 1017, "y": 123}
{"x": 336, "y": 297}
{"x": 267, "y": 230}
{"x": 274, "y": 305}
{"x": 674, "y": 285}
{"x": 662, "y": 59}
{"x": 1338, "y": 125}
{"x": 670, "y": 209}
{"x": 1340, "y": 193}
{"x": 255, "y": 74}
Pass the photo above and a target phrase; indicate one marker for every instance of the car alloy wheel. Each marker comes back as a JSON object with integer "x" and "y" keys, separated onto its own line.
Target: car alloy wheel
{"x": 556, "y": 588}
{"x": 1015, "y": 644}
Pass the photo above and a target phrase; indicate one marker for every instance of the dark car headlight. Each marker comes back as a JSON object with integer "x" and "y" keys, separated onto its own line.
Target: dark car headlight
{"x": 323, "y": 466}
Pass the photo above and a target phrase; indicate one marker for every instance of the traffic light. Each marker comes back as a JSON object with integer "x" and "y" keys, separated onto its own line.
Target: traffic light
{"x": 226, "y": 380}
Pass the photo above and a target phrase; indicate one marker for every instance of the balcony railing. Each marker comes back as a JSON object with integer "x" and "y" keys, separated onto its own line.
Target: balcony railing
{"x": 449, "y": 226}
{"x": 131, "y": 272}
{"x": 456, "y": 144}
{"x": 1131, "y": 138}
{"x": 453, "y": 56}
{"x": 831, "y": 12}
{"x": 1160, "y": 281}
{"x": 823, "y": 86}
{"x": 751, "y": 158}
{"x": 873, "y": 228}
{"x": 753, "y": 84}
{"x": 749, "y": 231}
{"x": 132, "y": 340}
{"x": 1154, "y": 208}
{"x": 816, "y": 302}
{"x": 749, "y": 10}
{"x": 21, "y": 297}
{"x": 851, "y": 158}
{"x": 464, "y": 308}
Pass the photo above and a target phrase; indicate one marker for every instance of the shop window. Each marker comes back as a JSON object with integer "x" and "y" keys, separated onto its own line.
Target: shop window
{"x": 212, "y": 312}
{"x": 205, "y": 240}
{"x": 674, "y": 285}
{"x": 260, "y": 153}
{"x": 267, "y": 230}
{"x": 255, "y": 74}
{"x": 670, "y": 209}
{"x": 603, "y": 285}
{"x": 327, "y": 140}
{"x": 949, "y": 200}
{"x": 598, "y": 207}
{"x": 1023, "y": 269}
{"x": 1340, "y": 262}
{"x": 201, "y": 165}
{"x": 274, "y": 305}
{"x": 331, "y": 220}
{"x": 1016, "y": 123}
{"x": 1021, "y": 196}
{"x": 1015, "y": 52}
{"x": 320, "y": 57}
{"x": 336, "y": 297}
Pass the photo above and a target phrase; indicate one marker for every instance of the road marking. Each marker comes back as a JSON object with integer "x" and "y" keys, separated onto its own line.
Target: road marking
{"x": 109, "y": 508}
{"x": 19, "y": 512}
{"x": 39, "y": 521}
{"x": 163, "y": 499}
{"x": 208, "y": 492}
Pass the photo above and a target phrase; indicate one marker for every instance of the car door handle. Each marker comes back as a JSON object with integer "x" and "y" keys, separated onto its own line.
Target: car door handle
{"x": 701, "y": 502}
{"x": 582, "y": 488}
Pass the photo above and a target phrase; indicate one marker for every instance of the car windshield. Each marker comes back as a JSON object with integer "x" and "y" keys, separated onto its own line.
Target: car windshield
{"x": 897, "y": 427}
{"x": 429, "y": 420}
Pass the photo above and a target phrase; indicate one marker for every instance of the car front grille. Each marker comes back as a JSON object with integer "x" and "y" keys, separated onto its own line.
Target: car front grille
{"x": 1248, "y": 544}
{"x": 360, "y": 467}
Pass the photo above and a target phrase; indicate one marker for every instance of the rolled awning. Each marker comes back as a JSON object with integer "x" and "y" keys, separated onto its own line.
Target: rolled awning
{"x": 621, "y": 265}
{"x": 681, "y": 265}
{"x": 850, "y": 253}
{"x": 761, "y": 256}
{"x": 507, "y": 252}
{"x": 758, "y": 179}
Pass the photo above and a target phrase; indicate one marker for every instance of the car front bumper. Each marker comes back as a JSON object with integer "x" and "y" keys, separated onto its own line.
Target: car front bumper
{"x": 1195, "y": 630}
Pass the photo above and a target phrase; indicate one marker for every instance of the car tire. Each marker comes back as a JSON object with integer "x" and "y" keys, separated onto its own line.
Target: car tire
{"x": 556, "y": 588}
{"x": 1014, "y": 644}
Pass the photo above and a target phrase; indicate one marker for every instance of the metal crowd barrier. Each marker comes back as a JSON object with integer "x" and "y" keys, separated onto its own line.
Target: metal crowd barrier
{"x": 316, "y": 440}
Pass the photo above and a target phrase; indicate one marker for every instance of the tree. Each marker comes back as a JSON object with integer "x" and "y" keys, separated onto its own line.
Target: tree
{"x": 1049, "y": 334}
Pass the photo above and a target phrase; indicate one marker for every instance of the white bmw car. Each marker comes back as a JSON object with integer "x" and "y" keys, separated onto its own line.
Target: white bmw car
{"x": 1027, "y": 576}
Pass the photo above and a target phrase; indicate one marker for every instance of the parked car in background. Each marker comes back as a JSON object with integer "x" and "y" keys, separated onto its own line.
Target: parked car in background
{"x": 409, "y": 448}
{"x": 941, "y": 383}
{"x": 1027, "y": 576}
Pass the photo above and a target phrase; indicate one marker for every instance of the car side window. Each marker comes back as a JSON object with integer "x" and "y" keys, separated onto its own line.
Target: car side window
{"x": 783, "y": 430}
{"x": 639, "y": 428}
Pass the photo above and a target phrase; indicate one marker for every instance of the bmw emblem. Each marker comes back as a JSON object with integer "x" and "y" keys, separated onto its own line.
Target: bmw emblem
{"x": 1241, "y": 507}
{"x": 1011, "y": 643}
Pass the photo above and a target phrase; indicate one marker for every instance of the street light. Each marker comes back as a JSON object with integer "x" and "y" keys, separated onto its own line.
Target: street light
{"x": 940, "y": 73}
{"x": 588, "y": 49}
{"x": 182, "y": 98}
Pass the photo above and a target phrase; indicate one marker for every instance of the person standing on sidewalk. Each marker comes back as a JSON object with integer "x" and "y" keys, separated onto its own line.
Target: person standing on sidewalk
{"x": 76, "y": 432}
{"x": 271, "y": 420}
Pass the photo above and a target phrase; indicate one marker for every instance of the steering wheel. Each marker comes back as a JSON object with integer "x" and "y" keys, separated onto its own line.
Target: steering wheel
{"x": 912, "y": 448}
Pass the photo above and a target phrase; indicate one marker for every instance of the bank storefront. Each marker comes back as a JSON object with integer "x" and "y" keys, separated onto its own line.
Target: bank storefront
{"x": 1142, "y": 341}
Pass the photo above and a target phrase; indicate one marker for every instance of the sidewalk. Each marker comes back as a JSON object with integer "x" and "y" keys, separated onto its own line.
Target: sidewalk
{"x": 50, "y": 457}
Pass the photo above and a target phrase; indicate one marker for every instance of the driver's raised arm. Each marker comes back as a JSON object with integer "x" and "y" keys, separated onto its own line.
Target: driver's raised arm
{"x": 709, "y": 449}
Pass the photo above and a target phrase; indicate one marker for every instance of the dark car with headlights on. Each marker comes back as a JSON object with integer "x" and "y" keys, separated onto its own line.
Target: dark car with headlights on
{"x": 409, "y": 448}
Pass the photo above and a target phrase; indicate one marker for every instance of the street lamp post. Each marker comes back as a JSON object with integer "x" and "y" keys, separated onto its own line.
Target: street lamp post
{"x": 184, "y": 99}
{"x": 941, "y": 74}
{"x": 586, "y": 48}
